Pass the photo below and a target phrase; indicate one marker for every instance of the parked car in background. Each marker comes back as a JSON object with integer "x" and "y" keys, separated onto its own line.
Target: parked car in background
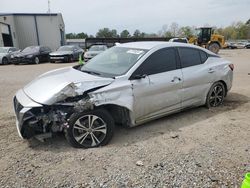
{"x": 128, "y": 84}
{"x": 6, "y": 53}
{"x": 66, "y": 53}
{"x": 32, "y": 54}
{"x": 182, "y": 40}
{"x": 240, "y": 45}
{"x": 247, "y": 45}
{"x": 94, "y": 50}
{"x": 231, "y": 45}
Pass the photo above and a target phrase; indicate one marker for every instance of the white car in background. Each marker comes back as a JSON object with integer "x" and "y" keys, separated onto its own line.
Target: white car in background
{"x": 182, "y": 40}
{"x": 129, "y": 84}
{"x": 94, "y": 50}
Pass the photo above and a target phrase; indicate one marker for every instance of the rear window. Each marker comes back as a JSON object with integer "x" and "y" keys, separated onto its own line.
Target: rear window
{"x": 189, "y": 57}
{"x": 203, "y": 56}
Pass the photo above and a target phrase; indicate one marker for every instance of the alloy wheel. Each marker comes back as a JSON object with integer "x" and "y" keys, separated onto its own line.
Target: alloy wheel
{"x": 216, "y": 97}
{"x": 89, "y": 130}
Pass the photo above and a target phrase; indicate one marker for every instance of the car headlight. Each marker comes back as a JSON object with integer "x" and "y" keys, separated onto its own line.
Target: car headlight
{"x": 29, "y": 56}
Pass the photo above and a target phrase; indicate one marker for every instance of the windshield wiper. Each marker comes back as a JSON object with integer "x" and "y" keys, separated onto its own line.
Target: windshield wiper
{"x": 91, "y": 72}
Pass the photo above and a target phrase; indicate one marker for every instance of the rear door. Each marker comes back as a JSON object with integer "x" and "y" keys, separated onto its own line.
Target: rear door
{"x": 197, "y": 76}
{"x": 158, "y": 91}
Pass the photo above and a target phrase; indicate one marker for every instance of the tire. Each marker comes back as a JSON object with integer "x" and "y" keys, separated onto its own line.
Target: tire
{"x": 80, "y": 135}
{"x": 214, "y": 47}
{"x": 5, "y": 61}
{"x": 37, "y": 60}
{"x": 70, "y": 59}
{"x": 216, "y": 95}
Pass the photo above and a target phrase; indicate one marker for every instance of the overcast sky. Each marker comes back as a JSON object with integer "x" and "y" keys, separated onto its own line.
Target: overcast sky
{"x": 146, "y": 15}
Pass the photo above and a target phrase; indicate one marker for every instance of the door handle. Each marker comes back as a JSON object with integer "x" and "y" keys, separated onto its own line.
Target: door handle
{"x": 211, "y": 71}
{"x": 176, "y": 78}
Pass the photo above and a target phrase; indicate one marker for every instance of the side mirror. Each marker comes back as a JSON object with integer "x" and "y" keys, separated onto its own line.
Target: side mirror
{"x": 138, "y": 76}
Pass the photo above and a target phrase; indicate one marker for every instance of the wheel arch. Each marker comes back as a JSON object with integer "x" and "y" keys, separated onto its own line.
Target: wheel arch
{"x": 225, "y": 85}
{"x": 120, "y": 114}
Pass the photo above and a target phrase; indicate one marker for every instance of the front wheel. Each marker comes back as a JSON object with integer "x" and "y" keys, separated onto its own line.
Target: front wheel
{"x": 214, "y": 47}
{"x": 216, "y": 95}
{"x": 36, "y": 60}
{"x": 5, "y": 61}
{"x": 70, "y": 59}
{"x": 90, "y": 129}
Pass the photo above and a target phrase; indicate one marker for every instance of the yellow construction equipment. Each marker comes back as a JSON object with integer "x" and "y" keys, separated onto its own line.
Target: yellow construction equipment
{"x": 206, "y": 38}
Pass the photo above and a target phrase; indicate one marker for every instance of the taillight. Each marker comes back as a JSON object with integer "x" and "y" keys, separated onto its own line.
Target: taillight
{"x": 231, "y": 66}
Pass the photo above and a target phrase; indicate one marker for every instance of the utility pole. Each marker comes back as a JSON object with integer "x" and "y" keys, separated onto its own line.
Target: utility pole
{"x": 48, "y": 7}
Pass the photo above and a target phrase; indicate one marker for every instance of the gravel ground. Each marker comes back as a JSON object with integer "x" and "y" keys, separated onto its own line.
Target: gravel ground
{"x": 195, "y": 148}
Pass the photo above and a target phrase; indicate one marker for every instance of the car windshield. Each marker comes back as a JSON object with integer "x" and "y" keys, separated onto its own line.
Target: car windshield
{"x": 113, "y": 62}
{"x": 65, "y": 48}
{"x": 3, "y": 50}
{"x": 31, "y": 49}
{"x": 97, "y": 48}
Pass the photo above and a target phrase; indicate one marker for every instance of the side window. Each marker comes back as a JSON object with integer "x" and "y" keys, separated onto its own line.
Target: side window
{"x": 47, "y": 49}
{"x": 203, "y": 56}
{"x": 160, "y": 61}
{"x": 189, "y": 57}
{"x": 42, "y": 49}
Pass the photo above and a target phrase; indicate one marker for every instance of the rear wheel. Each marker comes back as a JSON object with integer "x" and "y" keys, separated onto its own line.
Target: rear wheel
{"x": 90, "y": 129}
{"x": 216, "y": 95}
{"x": 5, "y": 61}
{"x": 214, "y": 47}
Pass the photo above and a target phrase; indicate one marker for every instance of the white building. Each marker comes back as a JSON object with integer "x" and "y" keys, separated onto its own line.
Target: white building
{"x": 22, "y": 30}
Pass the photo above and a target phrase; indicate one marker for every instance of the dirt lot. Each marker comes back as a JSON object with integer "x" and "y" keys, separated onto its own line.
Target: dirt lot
{"x": 195, "y": 148}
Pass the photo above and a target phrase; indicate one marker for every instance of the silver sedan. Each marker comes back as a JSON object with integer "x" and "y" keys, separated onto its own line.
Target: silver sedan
{"x": 128, "y": 84}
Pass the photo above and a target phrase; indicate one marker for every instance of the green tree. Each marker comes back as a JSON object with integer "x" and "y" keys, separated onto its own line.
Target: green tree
{"x": 82, "y": 35}
{"x": 137, "y": 33}
{"x": 106, "y": 33}
{"x": 125, "y": 34}
{"x": 186, "y": 31}
{"x": 70, "y": 36}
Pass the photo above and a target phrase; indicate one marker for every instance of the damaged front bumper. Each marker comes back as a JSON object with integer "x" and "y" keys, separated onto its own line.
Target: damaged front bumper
{"x": 23, "y": 106}
{"x": 35, "y": 119}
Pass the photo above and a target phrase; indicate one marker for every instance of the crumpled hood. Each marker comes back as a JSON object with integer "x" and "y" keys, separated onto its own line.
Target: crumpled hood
{"x": 23, "y": 54}
{"x": 60, "y": 84}
{"x": 61, "y": 53}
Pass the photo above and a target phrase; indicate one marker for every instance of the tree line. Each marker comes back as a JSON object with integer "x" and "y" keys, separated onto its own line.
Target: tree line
{"x": 237, "y": 30}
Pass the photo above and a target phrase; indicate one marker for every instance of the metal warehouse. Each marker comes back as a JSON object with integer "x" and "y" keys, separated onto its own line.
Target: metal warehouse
{"x": 22, "y": 30}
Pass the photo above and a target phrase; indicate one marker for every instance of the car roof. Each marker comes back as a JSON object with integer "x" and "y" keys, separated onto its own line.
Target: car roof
{"x": 153, "y": 44}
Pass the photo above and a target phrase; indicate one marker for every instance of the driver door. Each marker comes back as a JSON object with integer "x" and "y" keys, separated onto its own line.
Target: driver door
{"x": 157, "y": 85}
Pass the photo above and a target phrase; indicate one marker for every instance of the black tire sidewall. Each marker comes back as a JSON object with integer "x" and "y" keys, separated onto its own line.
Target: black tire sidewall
{"x": 70, "y": 59}
{"x": 35, "y": 60}
{"x": 209, "y": 47}
{"x": 106, "y": 117}
{"x": 5, "y": 61}
{"x": 210, "y": 92}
